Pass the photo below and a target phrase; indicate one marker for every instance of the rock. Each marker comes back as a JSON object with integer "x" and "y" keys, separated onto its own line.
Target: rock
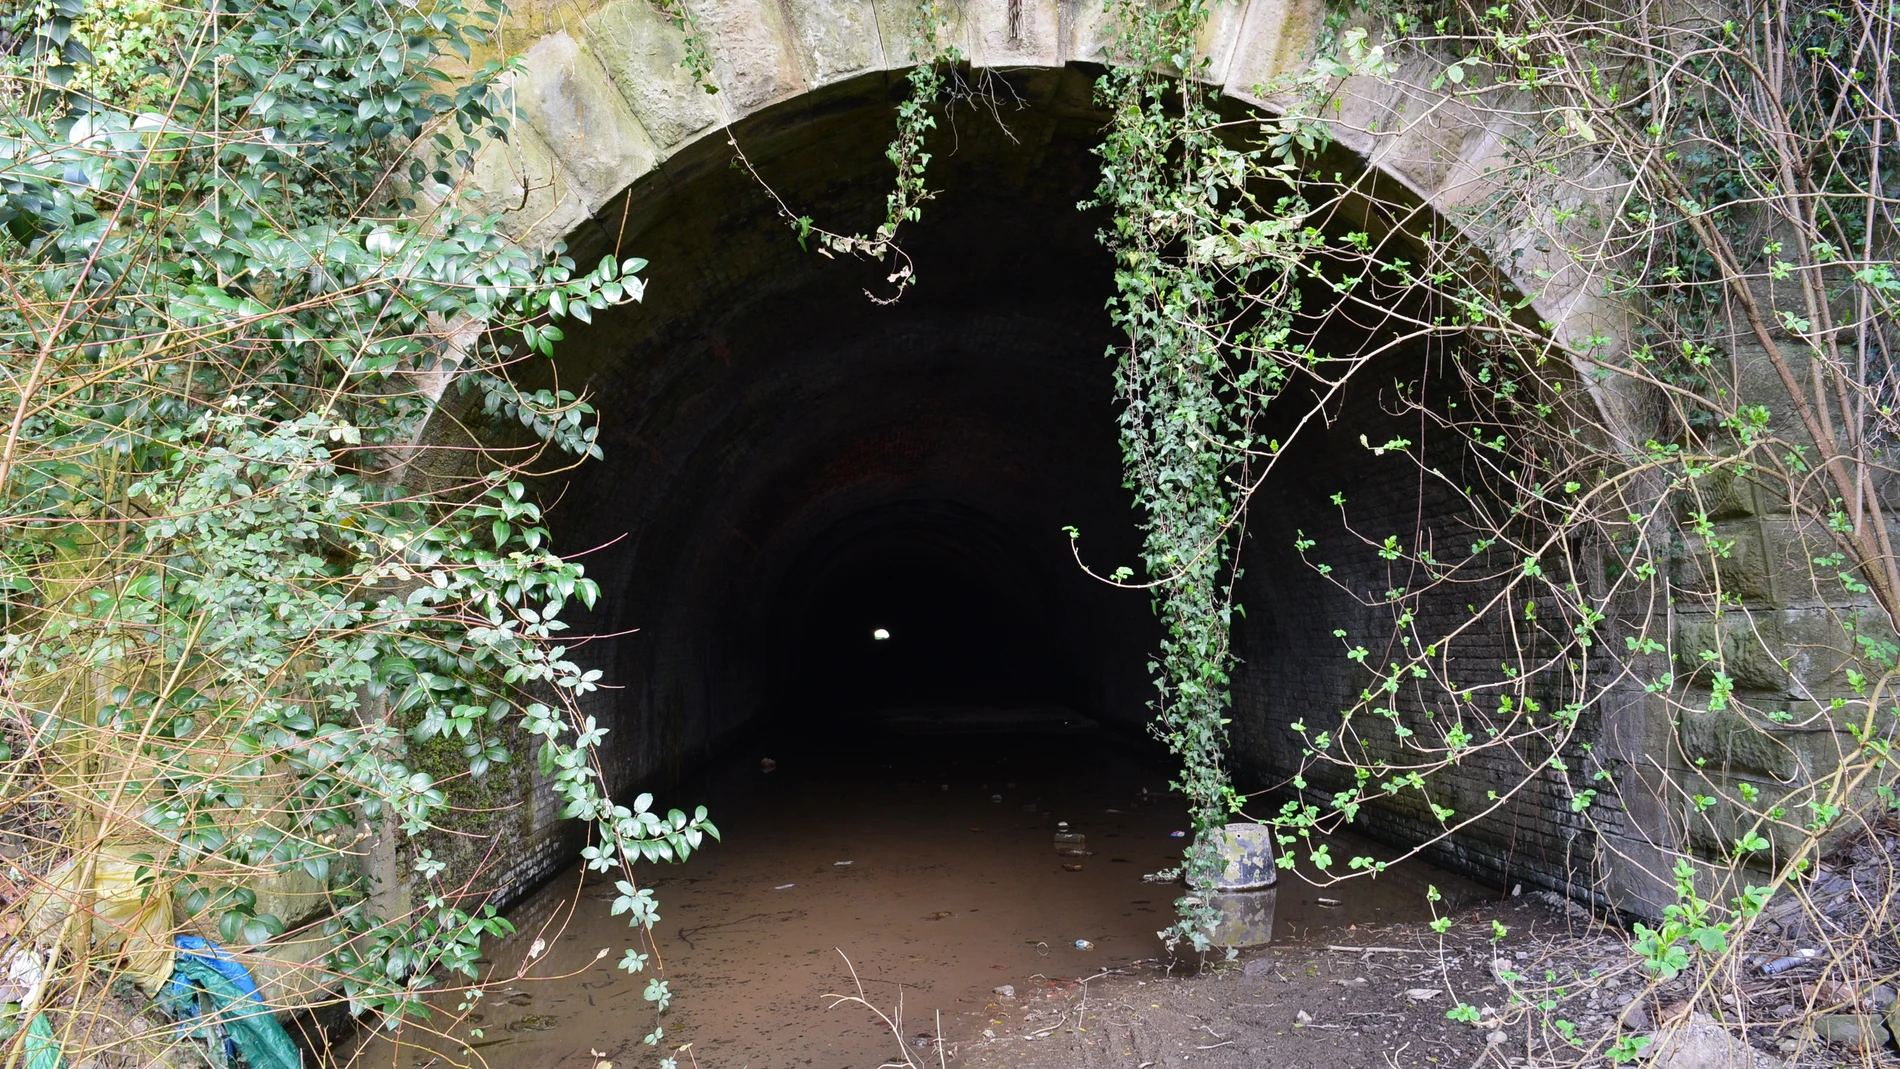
{"x": 1858, "y": 1031}
{"x": 1704, "y": 1044}
{"x": 1893, "y": 1019}
{"x": 1881, "y": 997}
{"x": 1636, "y": 1018}
{"x": 1496, "y": 1038}
{"x": 1005, "y": 991}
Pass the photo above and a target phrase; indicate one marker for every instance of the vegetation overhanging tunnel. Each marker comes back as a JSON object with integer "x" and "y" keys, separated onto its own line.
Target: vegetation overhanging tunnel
{"x": 791, "y": 463}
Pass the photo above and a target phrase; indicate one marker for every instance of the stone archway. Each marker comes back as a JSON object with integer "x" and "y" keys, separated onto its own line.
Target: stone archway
{"x": 608, "y": 106}
{"x": 763, "y": 415}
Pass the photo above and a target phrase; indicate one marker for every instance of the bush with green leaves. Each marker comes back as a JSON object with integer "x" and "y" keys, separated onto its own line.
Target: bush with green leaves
{"x": 239, "y": 589}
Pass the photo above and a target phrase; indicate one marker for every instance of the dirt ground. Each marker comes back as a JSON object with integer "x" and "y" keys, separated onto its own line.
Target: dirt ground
{"x": 1305, "y": 1004}
{"x": 1377, "y": 996}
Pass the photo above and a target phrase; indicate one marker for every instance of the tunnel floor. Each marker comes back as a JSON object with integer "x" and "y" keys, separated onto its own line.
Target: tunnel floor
{"x": 925, "y": 859}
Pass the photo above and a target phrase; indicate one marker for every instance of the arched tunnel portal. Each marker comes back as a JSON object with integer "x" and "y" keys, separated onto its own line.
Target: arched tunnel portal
{"x": 793, "y": 465}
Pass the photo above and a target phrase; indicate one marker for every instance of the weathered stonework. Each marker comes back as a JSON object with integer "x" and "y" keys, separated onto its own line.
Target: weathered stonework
{"x": 566, "y": 96}
{"x": 742, "y": 438}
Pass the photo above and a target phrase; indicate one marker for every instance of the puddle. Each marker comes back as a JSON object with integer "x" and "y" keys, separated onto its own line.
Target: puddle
{"x": 900, "y": 857}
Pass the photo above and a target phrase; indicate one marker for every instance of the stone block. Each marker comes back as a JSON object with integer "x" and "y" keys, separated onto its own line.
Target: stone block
{"x": 1729, "y": 741}
{"x": 1758, "y": 381}
{"x": 289, "y": 974}
{"x": 1701, "y": 1043}
{"x": 1091, "y": 31}
{"x": 1273, "y": 39}
{"x": 642, "y": 53}
{"x": 1366, "y": 105}
{"x": 1801, "y": 653}
{"x": 1423, "y": 135}
{"x": 539, "y": 201}
{"x": 1740, "y": 559}
{"x": 1819, "y": 645}
{"x": 1037, "y": 40}
{"x": 1220, "y": 37}
{"x": 895, "y": 26}
{"x": 836, "y": 38}
{"x": 1742, "y": 649}
{"x": 1637, "y": 873}
{"x": 292, "y": 897}
{"x": 579, "y": 113}
{"x": 752, "y": 51}
{"x": 1712, "y": 832}
{"x": 1723, "y": 494}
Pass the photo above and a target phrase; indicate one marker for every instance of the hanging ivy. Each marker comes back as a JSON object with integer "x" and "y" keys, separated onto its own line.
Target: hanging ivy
{"x": 930, "y": 56}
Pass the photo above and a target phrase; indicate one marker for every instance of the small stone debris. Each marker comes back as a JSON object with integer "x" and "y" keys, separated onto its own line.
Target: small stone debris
{"x": 1303, "y": 1017}
{"x": 1855, "y": 1031}
{"x": 1420, "y": 994}
{"x": 1704, "y": 1044}
{"x": 1560, "y": 904}
{"x": 1004, "y": 991}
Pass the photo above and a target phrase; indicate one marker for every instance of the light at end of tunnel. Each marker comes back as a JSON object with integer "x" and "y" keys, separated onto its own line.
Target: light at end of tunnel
{"x": 880, "y": 635}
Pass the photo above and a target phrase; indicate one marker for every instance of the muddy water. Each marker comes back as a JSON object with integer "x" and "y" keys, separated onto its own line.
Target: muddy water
{"x": 928, "y": 863}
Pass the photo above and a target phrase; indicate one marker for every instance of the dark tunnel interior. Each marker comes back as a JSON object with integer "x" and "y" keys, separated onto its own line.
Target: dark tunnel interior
{"x": 916, "y": 611}
{"x": 792, "y": 465}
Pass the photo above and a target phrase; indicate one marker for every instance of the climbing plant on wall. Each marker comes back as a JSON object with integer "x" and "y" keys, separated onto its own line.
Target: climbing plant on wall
{"x": 245, "y": 604}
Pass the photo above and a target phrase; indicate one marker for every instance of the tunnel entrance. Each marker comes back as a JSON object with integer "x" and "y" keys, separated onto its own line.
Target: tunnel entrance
{"x": 839, "y": 605}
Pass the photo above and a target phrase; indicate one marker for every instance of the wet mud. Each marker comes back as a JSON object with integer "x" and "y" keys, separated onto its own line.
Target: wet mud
{"x": 927, "y": 865}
